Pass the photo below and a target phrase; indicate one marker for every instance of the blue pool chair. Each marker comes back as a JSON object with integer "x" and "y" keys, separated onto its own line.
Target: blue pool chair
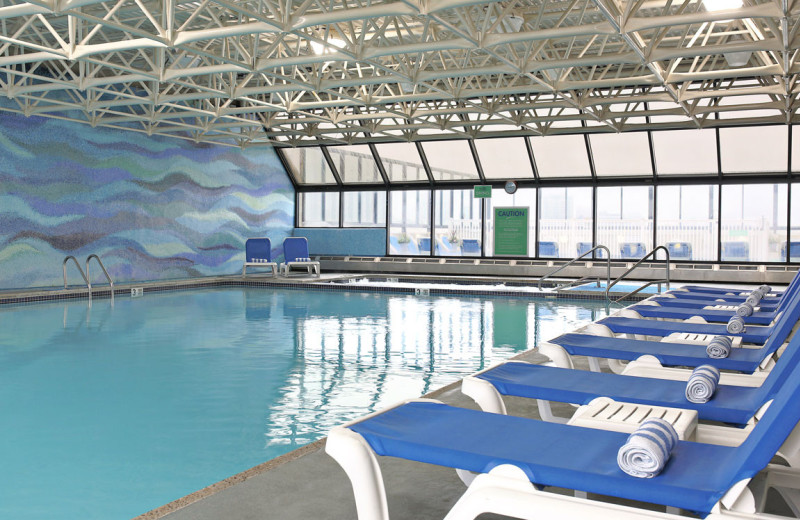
{"x": 632, "y": 250}
{"x": 548, "y": 249}
{"x": 471, "y": 247}
{"x": 425, "y": 246}
{"x": 583, "y": 247}
{"x": 258, "y": 253}
{"x": 516, "y": 450}
{"x": 295, "y": 251}
{"x": 648, "y": 327}
{"x": 409, "y": 248}
{"x": 679, "y": 250}
{"x": 447, "y": 248}
{"x": 735, "y": 251}
{"x": 794, "y": 251}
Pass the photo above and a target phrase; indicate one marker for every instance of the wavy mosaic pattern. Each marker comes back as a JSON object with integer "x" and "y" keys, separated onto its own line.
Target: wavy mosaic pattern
{"x": 152, "y": 208}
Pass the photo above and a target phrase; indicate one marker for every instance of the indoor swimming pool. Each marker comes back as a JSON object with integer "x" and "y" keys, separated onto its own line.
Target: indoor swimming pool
{"x": 113, "y": 409}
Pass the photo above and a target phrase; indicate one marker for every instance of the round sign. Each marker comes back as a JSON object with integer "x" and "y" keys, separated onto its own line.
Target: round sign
{"x": 510, "y": 187}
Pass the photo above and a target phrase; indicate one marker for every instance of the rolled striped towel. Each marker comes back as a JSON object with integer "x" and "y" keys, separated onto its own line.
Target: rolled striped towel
{"x": 719, "y": 347}
{"x": 765, "y": 289}
{"x": 736, "y": 324}
{"x": 753, "y": 298}
{"x": 702, "y": 383}
{"x": 647, "y": 449}
{"x": 744, "y": 309}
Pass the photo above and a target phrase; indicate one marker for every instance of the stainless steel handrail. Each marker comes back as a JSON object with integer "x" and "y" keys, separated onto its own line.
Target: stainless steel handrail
{"x": 100, "y": 263}
{"x": 85, "y": 279}
{"x": 583, "y": 278}
{"x": 648, "y": 284}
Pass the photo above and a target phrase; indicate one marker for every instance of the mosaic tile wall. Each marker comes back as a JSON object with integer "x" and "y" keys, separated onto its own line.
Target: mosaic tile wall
{"x": 153, "y": 208}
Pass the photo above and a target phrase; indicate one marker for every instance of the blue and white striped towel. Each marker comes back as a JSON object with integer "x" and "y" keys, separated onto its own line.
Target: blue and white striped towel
{"x": 736, "y": 325}
{"x": 720, "y": 347}
{"x": 702, "y": 384}
{"x": 753, "y": 298}
{"x": 744, "y": 309}
{"x": 647, "y": 450}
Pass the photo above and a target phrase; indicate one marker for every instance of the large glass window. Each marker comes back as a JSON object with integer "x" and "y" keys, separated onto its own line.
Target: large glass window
{"x": 522, "y": 198}
{"x": 685, "y": 152}
{"x": 308, "y": 165}
{"x": 561, "y": 156}
{"x": 355, "y": 164}
{"x": 686, "y": 220}
{"x": 621, "y": 154}
{"x": 410, "y": 223}
{"x": 364, "y": 209}
{"x": 754, "y": 149}
{"x": 625, "y": 220}
{"x": 505, "y": 158}
{"x": 458, "y": 224}
{"x": 565, "y": 221}
{"x": 753, "y": 222}
{"x": 450, "y": 160}
{"x": 318, "y": 209}
{"x": 402, "y": 162}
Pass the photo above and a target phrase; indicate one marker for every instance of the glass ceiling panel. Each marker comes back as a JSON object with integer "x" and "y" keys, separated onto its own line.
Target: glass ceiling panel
{"x": 308, "y": 165}
{"x": 402, "y": 162}
{"x": 754, "y": 149}
{"x": 686, "y": 152}
{"x": 355, "y": 164}
{"x": 621, "y": 154}
{"x": 504, "y": 158}
{"x": 450, "y": 160}
{"x": 743, "y": 102}
{"x": 561, "y": 156}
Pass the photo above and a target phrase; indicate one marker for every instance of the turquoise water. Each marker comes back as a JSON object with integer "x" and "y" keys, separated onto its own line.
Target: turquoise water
{"x": 620, "y": 288}
{"x": 109, "y": 411}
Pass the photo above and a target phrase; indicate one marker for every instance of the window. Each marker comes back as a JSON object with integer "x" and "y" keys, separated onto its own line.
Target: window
{"x": 410, "y": 225}
{"x": 401, "y": 162}
{"x": 753, "y": 222}
{"x": 308, "y": 165}
{"x": 523, "y": 198}
{"x": 685, "y": 152}
{"x": 318, "y": 209}
{"x": 754, "y": 149}
{"x": 364, "y": 208}
{"x": 504, "y": 158}
{"x": 793, "y": 248}
{"x": 458, "y": 223}
{"x": 561, "y": 156}
{"x": 565, "y": 221}
{"x": 621, "y": 154}
{"x": 686, "y": 220}
{"x": 450, "y": 160}
{"x": 625, "y": 220}
{"x": 355, "y": 164}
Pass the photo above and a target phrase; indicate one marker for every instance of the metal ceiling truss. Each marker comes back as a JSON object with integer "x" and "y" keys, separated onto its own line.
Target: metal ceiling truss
{"x": 294, "y": 72}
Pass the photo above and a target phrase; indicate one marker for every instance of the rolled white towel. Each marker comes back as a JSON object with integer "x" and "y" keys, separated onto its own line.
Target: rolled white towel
{"x": 720, "y": 347}
{"x": 736, "y": 324}
{"x": 765, "y": 289}
{"x": 744, "y": 309}
{"x": 647, "y": 449}
{"x": 702, "y": 383}
{"x": 753, "y": 298}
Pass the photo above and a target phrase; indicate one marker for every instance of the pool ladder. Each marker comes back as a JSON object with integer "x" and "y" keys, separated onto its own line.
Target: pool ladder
{"x": 85, "y": 274}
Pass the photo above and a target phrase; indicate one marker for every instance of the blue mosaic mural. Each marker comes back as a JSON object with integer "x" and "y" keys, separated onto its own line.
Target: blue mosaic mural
{"x": 153, "y": 208}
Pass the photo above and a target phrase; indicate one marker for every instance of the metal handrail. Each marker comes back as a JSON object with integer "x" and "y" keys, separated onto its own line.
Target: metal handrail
{"x": 583, "y": 278}
{"x": 85, "y": 279}
{"x": 648, "y": 284}
{"x": 100, "y": 263}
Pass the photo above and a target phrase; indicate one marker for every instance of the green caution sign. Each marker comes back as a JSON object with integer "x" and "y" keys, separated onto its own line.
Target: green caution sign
{"x": 511, "y": 231}
{"x": 483, "y": 192}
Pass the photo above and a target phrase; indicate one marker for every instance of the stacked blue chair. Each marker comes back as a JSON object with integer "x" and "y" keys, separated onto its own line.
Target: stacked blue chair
{"x": 632, "y": 250}
{"x": 548, "y": 249}
{"x": 471, "y": 247}
{"x": 679, "y": 250}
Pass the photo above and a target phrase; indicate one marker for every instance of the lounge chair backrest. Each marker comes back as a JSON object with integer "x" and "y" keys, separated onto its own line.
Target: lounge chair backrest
{"x": 425, "y": 245}
{"x": 294, "y": 248}
{"x": 789, "y": 293}
{"x": 258, "y": 248}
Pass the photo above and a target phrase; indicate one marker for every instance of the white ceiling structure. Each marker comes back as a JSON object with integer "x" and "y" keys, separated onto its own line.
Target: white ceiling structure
{"x": 294, "y": 72}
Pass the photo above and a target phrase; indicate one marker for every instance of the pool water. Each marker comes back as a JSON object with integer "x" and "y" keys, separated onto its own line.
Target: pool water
{"x": 110, "y": 410}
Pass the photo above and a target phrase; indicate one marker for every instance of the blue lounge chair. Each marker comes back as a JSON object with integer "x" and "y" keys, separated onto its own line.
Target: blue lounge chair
{"x": 258, "y": 253}
{"x": 295, "y": 253}
{"x": 679, "y": 250}
{"x": 425, "y": 246}
{"x": 447, "y": 248}
{"x": 794, "y": 251}
{"x": 471, "y": 247}
{"x": 696, "y": 478}
{"x": 402, "y": 248}
{"x": 647, "y": 327}
{"x": 548, "y": 249}
{"x": 586, "y": 246}
{"x": 736, "y": 251}
{"x": 632, "y": 250}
